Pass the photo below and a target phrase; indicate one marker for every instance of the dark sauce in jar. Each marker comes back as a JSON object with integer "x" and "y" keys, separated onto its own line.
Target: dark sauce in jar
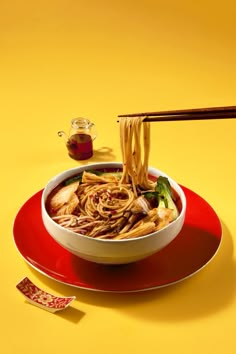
{"x": 80, "y": 146}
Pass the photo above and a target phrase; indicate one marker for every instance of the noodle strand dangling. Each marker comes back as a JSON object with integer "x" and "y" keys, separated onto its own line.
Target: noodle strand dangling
{"x": 133, "y": 166}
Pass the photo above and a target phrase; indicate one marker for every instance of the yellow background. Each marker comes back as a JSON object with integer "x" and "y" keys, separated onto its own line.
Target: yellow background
{"x": 97, "y": 59}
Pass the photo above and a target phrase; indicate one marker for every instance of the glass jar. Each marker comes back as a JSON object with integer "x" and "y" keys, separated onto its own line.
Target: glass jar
{"x": 79, "y": 143}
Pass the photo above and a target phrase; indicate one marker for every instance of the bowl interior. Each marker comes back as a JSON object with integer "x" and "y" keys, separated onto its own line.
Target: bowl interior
{"x": 111, "y": 166}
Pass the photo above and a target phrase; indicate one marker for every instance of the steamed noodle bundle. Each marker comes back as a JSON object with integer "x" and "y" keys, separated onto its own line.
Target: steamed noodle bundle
{"x": 114, "y": 204}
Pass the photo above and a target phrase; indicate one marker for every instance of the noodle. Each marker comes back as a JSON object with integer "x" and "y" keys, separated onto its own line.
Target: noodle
{"x": 111, "y": 206}
{"x": 130, "y": 141}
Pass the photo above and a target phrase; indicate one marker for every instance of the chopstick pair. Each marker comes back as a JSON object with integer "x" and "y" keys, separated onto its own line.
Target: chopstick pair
{"x": 227, "y": 112}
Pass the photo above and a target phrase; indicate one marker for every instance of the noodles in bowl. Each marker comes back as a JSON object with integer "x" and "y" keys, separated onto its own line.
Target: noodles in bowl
{"x": 98, "y": 205}
{"x": 115, "y": 212}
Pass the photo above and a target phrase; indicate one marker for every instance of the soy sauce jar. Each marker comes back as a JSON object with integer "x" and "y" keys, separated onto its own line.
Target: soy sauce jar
{"x": 79, "y": 143}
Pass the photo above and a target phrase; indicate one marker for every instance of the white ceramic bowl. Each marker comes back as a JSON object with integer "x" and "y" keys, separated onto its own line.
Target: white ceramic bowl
{"x": 111, "y": 251}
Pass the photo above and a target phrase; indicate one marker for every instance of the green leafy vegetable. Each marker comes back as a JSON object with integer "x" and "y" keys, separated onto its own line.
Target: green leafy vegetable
{"x": 165, "y": 195}
{"x": 73, "y": 179}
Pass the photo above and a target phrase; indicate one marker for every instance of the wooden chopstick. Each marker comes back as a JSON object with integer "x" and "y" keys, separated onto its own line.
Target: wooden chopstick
{"x": 227, "y": 112}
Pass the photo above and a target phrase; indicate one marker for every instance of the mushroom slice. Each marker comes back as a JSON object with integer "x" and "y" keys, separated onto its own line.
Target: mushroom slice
{"x": 140, "y": 206}
{"x": 69, "y": 207}
{"x": 65, "y": 197}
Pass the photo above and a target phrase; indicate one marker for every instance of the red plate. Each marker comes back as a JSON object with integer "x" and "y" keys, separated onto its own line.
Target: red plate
{"x": 192, "y": 249}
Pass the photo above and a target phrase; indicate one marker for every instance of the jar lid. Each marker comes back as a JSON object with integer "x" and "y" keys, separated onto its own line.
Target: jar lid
{"x": 80, "y": 123}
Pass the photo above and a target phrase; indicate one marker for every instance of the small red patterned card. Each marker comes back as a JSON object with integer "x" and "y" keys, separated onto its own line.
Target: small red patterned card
{"x": 41, "y": 298}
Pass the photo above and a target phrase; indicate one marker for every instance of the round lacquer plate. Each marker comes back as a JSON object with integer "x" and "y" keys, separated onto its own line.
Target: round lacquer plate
{"x": 192, "y": 249}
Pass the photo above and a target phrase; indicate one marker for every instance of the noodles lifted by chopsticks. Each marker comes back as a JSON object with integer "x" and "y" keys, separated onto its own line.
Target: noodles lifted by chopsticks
{"x": 112, "y": 205}
{"x": 133, "y": 146}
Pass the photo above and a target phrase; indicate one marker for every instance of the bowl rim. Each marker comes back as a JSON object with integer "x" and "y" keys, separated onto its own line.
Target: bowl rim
{"x": 151, "y": 169}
